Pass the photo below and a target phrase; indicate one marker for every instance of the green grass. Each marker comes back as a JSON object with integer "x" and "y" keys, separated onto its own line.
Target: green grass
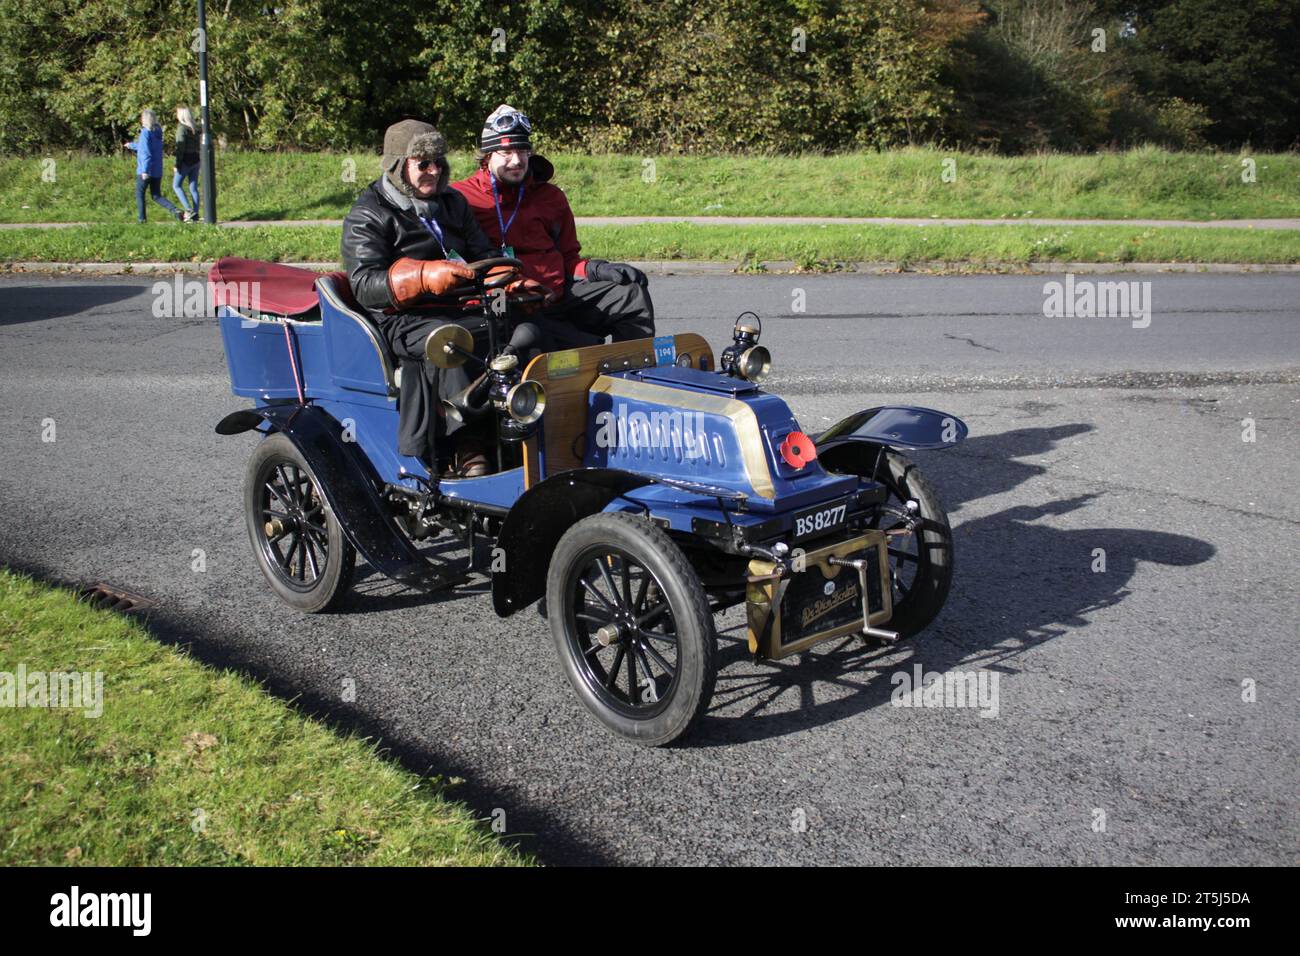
{"x": 810, "y": 247}
{"x": 821, "y": 247}
{"x": 1140, "y": 183}
{"x": 192, "y": 766}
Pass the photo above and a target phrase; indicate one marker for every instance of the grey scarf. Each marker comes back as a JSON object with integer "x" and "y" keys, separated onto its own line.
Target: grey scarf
{"x": 424, "y": 208}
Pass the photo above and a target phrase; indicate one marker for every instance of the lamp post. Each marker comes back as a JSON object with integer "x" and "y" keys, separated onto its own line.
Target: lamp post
{"x": 207, "y": 172}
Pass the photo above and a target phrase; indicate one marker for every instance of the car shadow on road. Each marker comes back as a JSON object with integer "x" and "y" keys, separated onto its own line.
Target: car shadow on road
{"x": 1018, "y": 583}
{"x": 21, "y": 303}
{"x": 986, "y": 465}
{"x": 372, "y": 591}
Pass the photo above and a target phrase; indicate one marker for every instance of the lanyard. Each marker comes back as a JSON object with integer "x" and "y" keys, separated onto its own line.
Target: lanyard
{"x": 496, "y": 204}
{"x": 436, "y": 231}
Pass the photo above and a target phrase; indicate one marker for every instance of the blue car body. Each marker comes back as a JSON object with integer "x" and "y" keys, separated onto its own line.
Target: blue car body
{"x": 696, "y": 451}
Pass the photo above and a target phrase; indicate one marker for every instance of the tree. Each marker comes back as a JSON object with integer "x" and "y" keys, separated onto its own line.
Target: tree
{"x": 1233, "y": 58}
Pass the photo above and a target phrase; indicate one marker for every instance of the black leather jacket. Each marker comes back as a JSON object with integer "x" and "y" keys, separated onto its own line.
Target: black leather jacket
{"x": 377, "y": 232}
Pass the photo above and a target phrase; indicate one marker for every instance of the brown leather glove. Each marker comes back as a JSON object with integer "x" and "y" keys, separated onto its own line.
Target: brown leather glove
{"x": 408, "y": 279}
{"x": 531, "y": 287}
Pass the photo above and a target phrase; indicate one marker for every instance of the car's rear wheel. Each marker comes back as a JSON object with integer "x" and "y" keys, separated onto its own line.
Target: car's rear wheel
{"x": 299, "y": 544}
{"x": 631, "y": 623}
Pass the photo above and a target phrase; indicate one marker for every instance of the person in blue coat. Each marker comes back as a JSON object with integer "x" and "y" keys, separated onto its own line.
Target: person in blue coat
{"x": 148, "y": 149}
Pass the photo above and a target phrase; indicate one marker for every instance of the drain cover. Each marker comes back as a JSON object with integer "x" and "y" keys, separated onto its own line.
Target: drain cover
{"x": 106, "y": 597}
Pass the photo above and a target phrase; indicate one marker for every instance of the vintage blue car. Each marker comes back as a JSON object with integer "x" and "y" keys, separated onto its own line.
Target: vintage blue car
{"x": 664, "y": 484}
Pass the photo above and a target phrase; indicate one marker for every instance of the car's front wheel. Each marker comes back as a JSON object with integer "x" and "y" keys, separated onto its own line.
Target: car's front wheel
{"x": 632, "y": 626}
{"x": 920, "y": 563}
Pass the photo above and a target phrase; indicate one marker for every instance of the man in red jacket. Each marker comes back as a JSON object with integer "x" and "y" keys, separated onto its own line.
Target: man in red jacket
{"x": 529, "y": 219}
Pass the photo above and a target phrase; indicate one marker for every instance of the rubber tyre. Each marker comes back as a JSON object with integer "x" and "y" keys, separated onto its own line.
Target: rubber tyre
{"x": 929, "y": 591}
{"x": 645, "y": 545}
{"x": 327, "y": 591}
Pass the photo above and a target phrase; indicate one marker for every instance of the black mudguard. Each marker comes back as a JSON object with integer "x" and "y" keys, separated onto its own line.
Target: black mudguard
{"x": 894, "y": 426}
{"x": 853, "y": 445}
{"x": 350, "y": 486}
{"x": 537, "y": 522}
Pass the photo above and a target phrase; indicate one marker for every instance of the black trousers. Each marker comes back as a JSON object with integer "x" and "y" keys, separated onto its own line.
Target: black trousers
{"x": 584, "y": 315}
{"x": 422, "y": 425}
{"x": 590, "y": 311}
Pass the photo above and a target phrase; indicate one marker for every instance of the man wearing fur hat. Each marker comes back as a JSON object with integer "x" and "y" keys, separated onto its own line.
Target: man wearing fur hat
{"x": 406, "y": 241}
{"x": 528, "y": 218}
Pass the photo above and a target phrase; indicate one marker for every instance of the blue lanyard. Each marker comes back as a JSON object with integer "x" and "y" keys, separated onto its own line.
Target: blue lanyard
{"x": 496, "y": 204}
{"x": 436, "y": 231}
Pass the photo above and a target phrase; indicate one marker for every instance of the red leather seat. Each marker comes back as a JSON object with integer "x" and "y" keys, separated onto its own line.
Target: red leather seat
{"x": 263, "y": 286}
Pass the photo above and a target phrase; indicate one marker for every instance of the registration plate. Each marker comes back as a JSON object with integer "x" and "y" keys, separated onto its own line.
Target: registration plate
{"x": 817, "y": 605}
{"x": 830, "y": 595}
{"x": 820, "y": 519}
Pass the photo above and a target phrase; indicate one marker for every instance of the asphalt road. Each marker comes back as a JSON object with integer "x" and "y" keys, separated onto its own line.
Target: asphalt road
{"x": 1120, "y": 691}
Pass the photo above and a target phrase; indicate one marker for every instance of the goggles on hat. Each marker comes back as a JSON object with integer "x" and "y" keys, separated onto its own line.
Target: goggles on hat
{"x": 513, "y": 120}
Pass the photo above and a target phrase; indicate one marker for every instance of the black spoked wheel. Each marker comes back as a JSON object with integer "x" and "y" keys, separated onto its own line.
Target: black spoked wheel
{"x": 632, "y": 626}
{"x": 920, "y": 564}
{"x": 625, "y": 632}
{"x": 299, "y": 544}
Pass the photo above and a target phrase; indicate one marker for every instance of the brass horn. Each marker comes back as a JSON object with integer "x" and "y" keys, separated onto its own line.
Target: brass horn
{"x": 470, "y": 400}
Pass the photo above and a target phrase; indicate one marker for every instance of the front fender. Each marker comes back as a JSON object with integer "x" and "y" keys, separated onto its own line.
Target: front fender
{"x": 349, "y": 484}
{"x": 539, "y": 519}
{"x": 895, "y": 426}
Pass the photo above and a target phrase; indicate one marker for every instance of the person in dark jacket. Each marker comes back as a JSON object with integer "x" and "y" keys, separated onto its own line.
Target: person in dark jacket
{"x": 527, "y": 217}
{"x": 406, "y": 239}
{"x": 148, "y": 149}
{"x": 186, "y": 172}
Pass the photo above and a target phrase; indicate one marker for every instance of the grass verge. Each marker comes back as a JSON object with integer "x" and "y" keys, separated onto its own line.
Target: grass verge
{"x": 1144, "y": 183}
{"x": 810, "y": 247}
{"x": 192, "y": 766}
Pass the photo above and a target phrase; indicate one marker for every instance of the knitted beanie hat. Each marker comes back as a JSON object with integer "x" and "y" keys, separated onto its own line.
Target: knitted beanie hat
{"x": 515, "y": 136}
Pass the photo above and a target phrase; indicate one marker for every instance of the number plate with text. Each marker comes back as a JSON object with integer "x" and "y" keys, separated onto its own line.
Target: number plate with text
{"x": 820, "y": 519}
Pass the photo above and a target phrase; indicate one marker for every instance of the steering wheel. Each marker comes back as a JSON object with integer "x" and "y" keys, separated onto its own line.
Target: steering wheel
{"x": 469, "y": 296}
{"x": 483, "y": 265}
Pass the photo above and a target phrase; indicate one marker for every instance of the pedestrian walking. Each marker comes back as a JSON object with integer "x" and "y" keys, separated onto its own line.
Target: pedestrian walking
{"x": 148, "y": 149}
{"x": 185, "y": 177}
